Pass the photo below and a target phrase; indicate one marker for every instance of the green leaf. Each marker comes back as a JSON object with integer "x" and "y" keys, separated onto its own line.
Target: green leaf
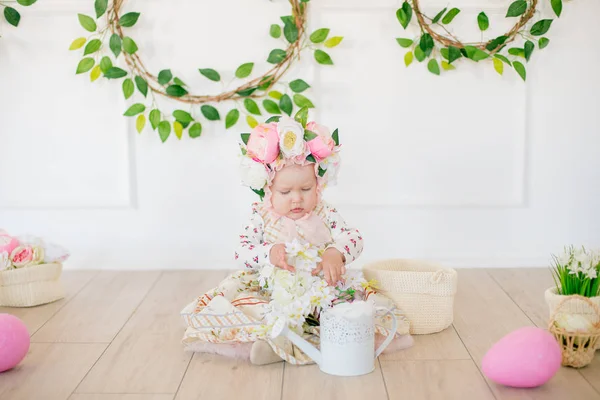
{"x": 95, "y": 74}
{"x": 246, "y": 92}
{"x": 275, "y": 94}
{"x": 323, "y": 58}
{"x": 251, "y": 121}
{"x": 333, "y": 41}
{"x": 528, "y": 49}
{"x": 541, "y": 27}
{"x": 100, "y": 6}
{"x": 502, "y": 58}
{"x": 115, "y": 44}
{"x": 88, "y": 23}
{"x": 140, "y": 123}
{"x": 483, "y": 21}
{"x": 92, "y": 46}
{"x": 129, "y": 45}
{"x": 210, "y": 74}
{"x": 164, "y": 130}
{"x": 336, "y": 137}
{"x": 302, "y": 116}
{"x": 245, "y": 137}
{"x": 543, "y": 42}
{"x": 251, "y": 106}
{"x": 271, "y": 107}
{"x": 154, "y": 118}
{"x": 450, "y": 16}
{"x": 320, "y": 35}
{"x": 438, "y": 16}
{"x": 128, "y": 88}
{"x": 182, "y": 116}
{"x": 516, "y": 51}
{"x": 433, "y": 66}
{"x": 77, "y": 43}
{"x": 302, "y": 101}
{"x": 105, "y": 64}
{"x": 12, "y": 16}
{"x": 276, "y": 56}
{"x": 290, "y": 31}
{"x": 244, "y": 70}
{"x": 404, "y": 14}
{"x": 275, "y": 31}
{"x": 232, "y": 118}
{"x": 520, "y": 68}
{"x": 517, "y": 8}
{"x": 556, "y": 7}
{"x": 311, "y": 158}
{"x": 115, "y": 73}
{"x": 498, "y": 66}
{"x": 475, "y": 54}
{"x": 453, "y": 54}
{"x": 129, "y": 19}
{"x": 26, "y": 3}
{"x": 322, "y": 171}
{"x": 142, "y": 85}
{"x": 299, "y": 86}
{"x": 274, "y": 118}
{"x": 210, "y": 113}
{"x": 165, "y": 76}
{"x": 178, "y": 129}
{"x": 426, "y": 44}
{"x": 195, "y": 130}
{"x": 447, "y": 66}
{"x": 404, "y": 42}
{"x": 85, "y": 65}
{"x": 308, "y": 135}
{"x": 408, "y": 58}
{"x": 285, "y": 103}
{"x": 419, "y": 54}
{"x": 135, "y": 109}
{"x": 494, "y": 44}
{"x": 179, "y": 82}
{"x": 176, "y": 91}
{"x": 265, "y": 82}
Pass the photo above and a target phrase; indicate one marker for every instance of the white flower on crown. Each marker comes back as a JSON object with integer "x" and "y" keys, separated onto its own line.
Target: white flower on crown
{"x": 291, "y": 137}
{"x": 331, "y": 165}
{"x": 5, "y": 261}
{"x": 254, "y": 174}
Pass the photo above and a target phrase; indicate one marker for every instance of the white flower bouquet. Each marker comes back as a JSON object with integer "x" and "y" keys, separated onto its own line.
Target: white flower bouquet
{"x": 574, "y": 304}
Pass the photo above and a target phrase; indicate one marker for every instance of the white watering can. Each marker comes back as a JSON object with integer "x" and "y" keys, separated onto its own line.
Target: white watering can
{"x": 347, "y": 339}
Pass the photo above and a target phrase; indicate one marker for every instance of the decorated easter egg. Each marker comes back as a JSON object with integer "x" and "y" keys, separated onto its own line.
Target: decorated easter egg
{"x": 525, "y": 358}
{"x": 14, "y": 341}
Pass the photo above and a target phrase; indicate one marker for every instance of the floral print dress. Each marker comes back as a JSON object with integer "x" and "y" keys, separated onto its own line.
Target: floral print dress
{"x": 235, "y": 311}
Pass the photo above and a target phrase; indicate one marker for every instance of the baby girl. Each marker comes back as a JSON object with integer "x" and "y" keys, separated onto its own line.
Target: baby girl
{"x": 287, "y": 163}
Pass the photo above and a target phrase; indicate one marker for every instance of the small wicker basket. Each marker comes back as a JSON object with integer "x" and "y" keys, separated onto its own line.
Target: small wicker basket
{"x": 578, "y": 347}
{"x": 31, "y": 286}
{"x": 424, "y": 291}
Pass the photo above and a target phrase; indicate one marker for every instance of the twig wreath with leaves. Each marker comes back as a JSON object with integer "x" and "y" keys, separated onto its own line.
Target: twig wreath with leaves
{"x": 167, "y": 85}
{"x": 431, "y": 44}
{"x": 11, "y": 15}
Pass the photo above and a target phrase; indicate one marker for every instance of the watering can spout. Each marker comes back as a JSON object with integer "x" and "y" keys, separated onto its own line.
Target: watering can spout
{"x": 281, "y": 330}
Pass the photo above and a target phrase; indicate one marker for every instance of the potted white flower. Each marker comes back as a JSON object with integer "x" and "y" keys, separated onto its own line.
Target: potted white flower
{"x": 574, "y": 304}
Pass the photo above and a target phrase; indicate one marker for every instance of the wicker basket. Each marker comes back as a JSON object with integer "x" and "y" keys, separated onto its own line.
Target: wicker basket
{"x": 31, "y": 286}
{"x": 424, "y": 291}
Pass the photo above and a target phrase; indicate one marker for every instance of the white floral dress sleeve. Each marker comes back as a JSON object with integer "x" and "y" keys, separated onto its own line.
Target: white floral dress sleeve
{"x": 252, "y": 251}
{"x": 346, "y": 239}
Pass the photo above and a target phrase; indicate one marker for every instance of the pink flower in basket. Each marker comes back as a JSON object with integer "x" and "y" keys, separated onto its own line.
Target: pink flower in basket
{"x": 21, "y": 256}
{"x": 7, "y": 242}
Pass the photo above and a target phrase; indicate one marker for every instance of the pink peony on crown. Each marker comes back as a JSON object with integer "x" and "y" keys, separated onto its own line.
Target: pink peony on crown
{"x": 283, "y": 140}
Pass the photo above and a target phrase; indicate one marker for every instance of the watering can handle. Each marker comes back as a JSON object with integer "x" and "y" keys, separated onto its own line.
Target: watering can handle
{"x": 390, "y": 337}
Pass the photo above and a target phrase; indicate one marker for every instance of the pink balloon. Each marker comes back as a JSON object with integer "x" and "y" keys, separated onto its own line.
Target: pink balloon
{"x": 525, "y": 358}
{"x": 14, "y": 341}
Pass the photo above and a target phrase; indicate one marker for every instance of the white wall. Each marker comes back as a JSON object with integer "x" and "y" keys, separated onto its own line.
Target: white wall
{"x": 470, "y": 168}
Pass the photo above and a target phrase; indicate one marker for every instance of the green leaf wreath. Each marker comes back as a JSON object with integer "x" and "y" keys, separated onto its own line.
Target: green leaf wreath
{"x": 109, "y": 52}
{"x": 445, "y": 49}
{"x": 11, "y": 14}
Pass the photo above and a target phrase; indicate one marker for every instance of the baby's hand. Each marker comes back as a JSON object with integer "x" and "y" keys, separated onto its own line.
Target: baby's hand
{"x": 277, "y": 257}
{"x": 332, "y": 266}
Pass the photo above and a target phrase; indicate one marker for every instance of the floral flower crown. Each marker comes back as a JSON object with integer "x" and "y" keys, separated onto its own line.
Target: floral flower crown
{"x": 283, "y": 140}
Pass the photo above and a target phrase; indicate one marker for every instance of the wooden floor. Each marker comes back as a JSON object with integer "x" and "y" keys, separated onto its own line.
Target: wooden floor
{"x": 117, "y": 336}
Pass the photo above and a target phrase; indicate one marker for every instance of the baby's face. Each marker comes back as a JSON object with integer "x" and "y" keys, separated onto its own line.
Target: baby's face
{"x": 294, "y": 191}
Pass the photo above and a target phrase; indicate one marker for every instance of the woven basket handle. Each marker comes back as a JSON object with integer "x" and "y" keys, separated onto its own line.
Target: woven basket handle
{"x": 574, "y": 297}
